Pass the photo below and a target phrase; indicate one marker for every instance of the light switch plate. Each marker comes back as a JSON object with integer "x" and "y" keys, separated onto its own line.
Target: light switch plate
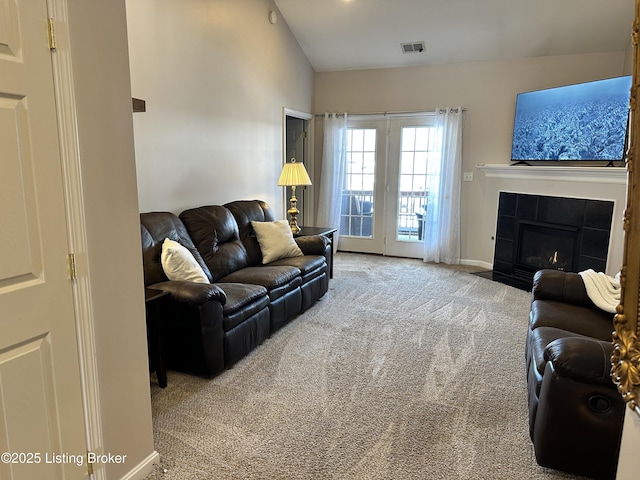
{"x": 468, "y": 176}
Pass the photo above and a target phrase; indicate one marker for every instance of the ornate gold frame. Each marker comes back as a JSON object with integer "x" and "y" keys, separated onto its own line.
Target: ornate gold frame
{"x": 625, "y": 360}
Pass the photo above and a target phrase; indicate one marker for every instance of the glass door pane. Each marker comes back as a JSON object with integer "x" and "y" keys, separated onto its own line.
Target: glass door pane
{"x": 358, "y": 196}
{"x": 412, "y": 192}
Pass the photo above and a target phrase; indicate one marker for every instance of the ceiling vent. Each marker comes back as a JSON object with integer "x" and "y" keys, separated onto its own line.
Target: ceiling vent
{"x": 412, "y": 47}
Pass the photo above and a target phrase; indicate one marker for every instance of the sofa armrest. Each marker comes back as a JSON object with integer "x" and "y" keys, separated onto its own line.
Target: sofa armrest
{"x": 191, "y": 293}
{"x": 582, "y": 359}
{"x": 313, "y": 244}
{"x": 567, "y": 287}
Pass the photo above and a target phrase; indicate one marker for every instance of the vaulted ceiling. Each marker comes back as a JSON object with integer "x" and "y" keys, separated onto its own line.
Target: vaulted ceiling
{"x": 358, "y": 34}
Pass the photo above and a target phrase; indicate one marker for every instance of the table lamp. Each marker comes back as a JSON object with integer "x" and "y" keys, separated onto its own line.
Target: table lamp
{"x": 293, "y": 174}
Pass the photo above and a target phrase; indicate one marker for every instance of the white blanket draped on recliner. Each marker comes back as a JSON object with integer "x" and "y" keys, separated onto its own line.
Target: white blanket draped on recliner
{"x": 603, "y": 290}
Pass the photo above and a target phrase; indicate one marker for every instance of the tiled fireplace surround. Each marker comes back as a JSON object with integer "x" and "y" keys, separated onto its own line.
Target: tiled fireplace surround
{"x": 541, "y": 231}
{"x": 577, "y": 209}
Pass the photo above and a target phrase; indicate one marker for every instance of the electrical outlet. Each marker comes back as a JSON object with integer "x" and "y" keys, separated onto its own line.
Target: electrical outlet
{"x": 468, "y": 176}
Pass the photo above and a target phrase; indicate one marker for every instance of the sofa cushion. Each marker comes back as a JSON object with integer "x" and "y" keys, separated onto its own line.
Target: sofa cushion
{"x": 278, "y": 280}
{"x": 215, "y": 234}
{"x": 561, "y": 286}
{"x": 306, "y": 263}
{"x": 179, "y": 263}
{"x": 154, "y": 228}
{"x": 276, "y": 240}
{"x": 243, "y": 301}
{"x": 268, "y": 276}
{"x": 245, "y": 212}
{"x": 591, "y": 322}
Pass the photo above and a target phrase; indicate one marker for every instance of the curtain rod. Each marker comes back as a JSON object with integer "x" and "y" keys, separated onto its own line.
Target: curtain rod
{"x": 416, "y": 112}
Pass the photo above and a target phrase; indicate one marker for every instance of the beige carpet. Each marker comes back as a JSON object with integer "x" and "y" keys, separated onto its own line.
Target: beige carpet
{"x": 404, "y": 370}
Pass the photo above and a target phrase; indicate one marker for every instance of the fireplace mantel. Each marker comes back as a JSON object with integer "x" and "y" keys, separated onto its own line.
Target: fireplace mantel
{"x": 600, "y": 175}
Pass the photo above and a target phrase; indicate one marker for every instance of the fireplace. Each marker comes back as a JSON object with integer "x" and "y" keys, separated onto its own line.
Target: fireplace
{"x": 543, "y": 245}
{"x": 535, "y": 232}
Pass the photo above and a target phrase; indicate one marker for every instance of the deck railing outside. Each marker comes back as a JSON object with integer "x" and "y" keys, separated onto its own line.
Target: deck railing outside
{"x": 358, "y": 208}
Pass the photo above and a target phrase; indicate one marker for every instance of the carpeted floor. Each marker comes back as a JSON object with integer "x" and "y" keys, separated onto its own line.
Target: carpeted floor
{"x": 403, "y": 370}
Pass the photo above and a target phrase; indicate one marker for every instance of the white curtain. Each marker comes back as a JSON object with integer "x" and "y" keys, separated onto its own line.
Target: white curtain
{"x": 442, "y": 218}
{"x": 332, "y": 173}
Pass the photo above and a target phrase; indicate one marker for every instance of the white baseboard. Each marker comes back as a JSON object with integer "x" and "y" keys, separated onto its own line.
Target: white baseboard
{"x": 477, "y": 263}
{"x": 144, "y": 468}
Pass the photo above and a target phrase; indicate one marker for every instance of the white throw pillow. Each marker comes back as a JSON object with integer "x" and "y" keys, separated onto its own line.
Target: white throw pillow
{"x": 178, "y": 263}
{"x": 276, "y": 240}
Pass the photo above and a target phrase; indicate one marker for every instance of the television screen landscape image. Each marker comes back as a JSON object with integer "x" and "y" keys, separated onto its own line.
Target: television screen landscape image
{"x": 586, "y": 121}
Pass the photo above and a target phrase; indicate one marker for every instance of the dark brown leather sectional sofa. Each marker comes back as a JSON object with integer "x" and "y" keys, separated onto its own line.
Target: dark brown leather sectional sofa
{"x": 575, "y": 411}
{"x": 210, "y": 326}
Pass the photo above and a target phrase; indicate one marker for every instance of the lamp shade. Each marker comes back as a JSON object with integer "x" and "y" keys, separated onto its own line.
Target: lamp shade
{"x": 293, "y": 173}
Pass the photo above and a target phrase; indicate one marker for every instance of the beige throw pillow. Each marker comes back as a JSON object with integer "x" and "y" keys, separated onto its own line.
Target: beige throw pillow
{"x": 178, "y": 263}
{"x": 276, "y": 240}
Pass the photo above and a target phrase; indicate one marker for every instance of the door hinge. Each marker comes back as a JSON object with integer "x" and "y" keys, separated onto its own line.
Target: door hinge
{"x": 304, "y": 134}
{"x": 51, "y": 27}
{"x": 89, "y": 464}
{"x": 72, "y": 267}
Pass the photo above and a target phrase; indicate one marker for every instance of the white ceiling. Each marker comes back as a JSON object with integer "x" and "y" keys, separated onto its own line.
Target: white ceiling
{"x": 357, "y": 34}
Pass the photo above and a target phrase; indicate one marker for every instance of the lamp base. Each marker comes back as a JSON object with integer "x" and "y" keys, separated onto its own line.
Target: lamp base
{"x": 295, "y": 229}
{"x": 293, "y": 212}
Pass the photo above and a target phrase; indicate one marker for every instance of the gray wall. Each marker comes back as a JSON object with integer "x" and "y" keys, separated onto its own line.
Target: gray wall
{"x": 216, "y": 76}
{"x": 486, "y": 89}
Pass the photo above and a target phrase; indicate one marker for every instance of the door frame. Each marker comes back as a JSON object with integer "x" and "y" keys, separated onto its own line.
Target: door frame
{"x": 76, "y": 227}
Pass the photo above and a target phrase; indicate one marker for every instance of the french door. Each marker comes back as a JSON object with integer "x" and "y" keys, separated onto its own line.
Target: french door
{"x": 413, "y": 167}
{"x": 391, "y": 163}
{"x": 362, "y": 212}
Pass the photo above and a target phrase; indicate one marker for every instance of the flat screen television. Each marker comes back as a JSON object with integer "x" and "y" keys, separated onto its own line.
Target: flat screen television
{"x": 581, "y": 122}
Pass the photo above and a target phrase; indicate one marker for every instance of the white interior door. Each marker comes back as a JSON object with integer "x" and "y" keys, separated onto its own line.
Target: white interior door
{"x": 41, "y": 411}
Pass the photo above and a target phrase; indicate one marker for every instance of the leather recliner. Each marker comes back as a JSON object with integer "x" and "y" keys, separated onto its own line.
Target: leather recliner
{"x": 212, "y": 326}
{"x": 209, "y": 326}
{"x": 227, "y": 242}
{"x": 313, "y": 265}
{"x": 575, "y": 410}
